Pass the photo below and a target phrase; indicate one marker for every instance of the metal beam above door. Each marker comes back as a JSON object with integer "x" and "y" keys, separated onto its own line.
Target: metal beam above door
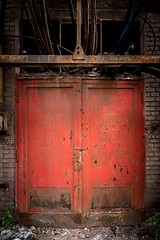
{"x": 69, "y": 60}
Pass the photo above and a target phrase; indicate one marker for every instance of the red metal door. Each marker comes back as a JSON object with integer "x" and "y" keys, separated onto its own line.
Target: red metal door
{"x": 80, "y": 145}
{"x": 113, "y": 166}
{"x": 48, "y": 126}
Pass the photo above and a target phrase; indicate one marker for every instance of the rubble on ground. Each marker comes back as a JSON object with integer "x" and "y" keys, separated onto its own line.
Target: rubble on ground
{"x": 17, "y": 232}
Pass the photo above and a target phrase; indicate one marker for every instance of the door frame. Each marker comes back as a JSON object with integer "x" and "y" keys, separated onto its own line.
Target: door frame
{"x": 137, "y": 85}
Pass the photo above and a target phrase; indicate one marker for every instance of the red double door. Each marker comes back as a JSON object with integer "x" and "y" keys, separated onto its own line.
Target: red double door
{"x": 79, "y": 145}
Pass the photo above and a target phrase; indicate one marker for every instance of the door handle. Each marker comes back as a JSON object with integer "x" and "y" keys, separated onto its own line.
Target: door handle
{"x": 81, "y": 148}
{"x": 78, "y": 158}
{"x": 75, "y": 156}
{"x": 77, "y": 161}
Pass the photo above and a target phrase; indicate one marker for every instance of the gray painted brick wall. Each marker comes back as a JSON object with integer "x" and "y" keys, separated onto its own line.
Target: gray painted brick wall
{"x": 7, "y": 141}
{"x": 152, "y": 120}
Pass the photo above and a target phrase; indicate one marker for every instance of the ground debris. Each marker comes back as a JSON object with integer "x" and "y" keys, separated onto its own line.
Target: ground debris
{"x": 18, "y": 232}
{"x": 97, "y": 233}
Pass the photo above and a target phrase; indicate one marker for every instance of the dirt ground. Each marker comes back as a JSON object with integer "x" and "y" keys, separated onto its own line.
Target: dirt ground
{"x": 17, "y": 232}
{"x": 102, "y": 233}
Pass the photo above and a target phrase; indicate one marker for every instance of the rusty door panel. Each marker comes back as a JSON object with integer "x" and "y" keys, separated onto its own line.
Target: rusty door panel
{"x": 113, "y": 169}
{"x": 111, "y": 197}
{"x": 50, "y": 198}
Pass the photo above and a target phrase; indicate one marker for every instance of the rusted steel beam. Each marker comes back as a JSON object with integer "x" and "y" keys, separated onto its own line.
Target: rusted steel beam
{"x": 67, "y": 60}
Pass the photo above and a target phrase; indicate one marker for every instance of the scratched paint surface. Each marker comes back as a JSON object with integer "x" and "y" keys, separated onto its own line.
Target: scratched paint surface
{"x": 111, "y": 153}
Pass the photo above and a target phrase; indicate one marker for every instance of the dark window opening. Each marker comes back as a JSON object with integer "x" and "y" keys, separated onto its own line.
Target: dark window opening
{"x": 28, "y": 44}
{"x": 68, "y": 39}
{"x": 111, "y": 32}
{"x": 65, "y": 35}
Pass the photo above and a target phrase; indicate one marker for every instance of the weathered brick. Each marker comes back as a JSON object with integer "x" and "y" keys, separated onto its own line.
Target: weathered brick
{"x": 152, "y": 142}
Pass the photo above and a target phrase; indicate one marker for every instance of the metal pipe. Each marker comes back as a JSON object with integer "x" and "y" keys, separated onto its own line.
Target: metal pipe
{"x": 71, "y": 9}
{"x": 79, "y": 18}
{"x": 128, "y": 25}
{"x": 85, "y": 30}
{"x": 134, "y": 69}
{"x": 93, "y": 28}
{"x": 152, "y": 70}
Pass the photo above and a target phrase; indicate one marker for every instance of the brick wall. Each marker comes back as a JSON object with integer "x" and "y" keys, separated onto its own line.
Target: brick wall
{"x": 7, "y": 141}
{"x": 152, "y": 120}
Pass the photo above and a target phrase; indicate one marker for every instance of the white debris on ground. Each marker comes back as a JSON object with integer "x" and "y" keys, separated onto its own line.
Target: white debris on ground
{"x": 98, "y": 233}
{"x": 17, "y": 233}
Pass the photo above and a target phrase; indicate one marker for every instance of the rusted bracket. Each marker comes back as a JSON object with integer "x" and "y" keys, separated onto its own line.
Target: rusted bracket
{"x": 78, "y": 52}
